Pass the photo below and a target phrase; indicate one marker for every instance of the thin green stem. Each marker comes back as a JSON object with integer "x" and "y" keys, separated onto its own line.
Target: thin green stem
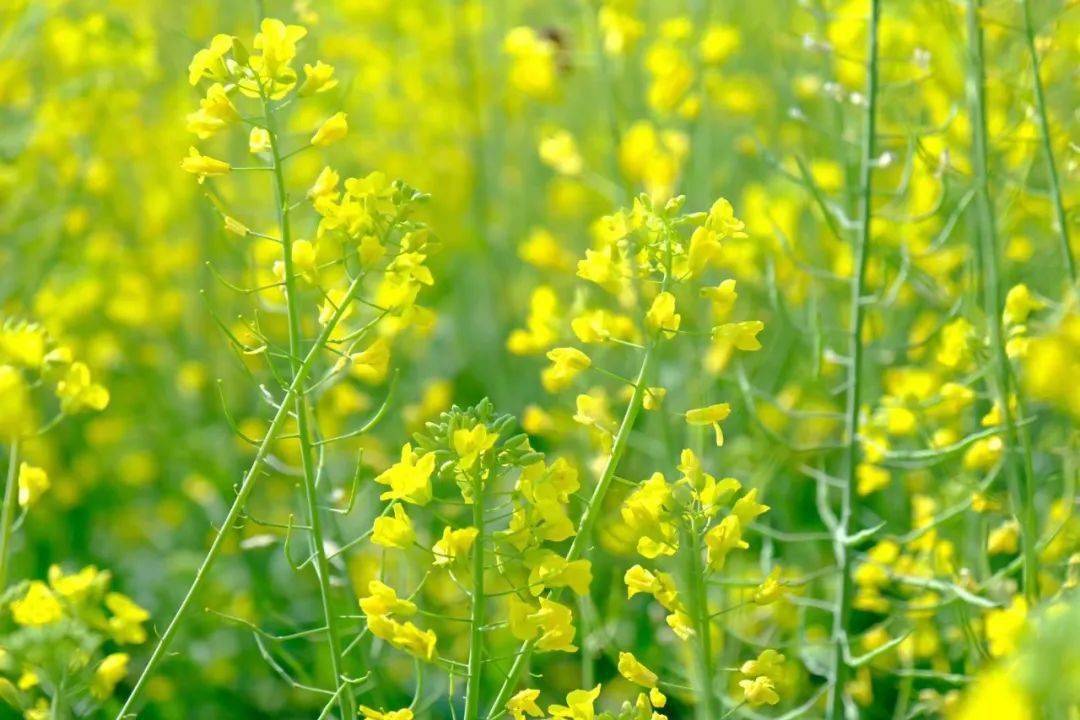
{"x": 588, "y": 517}
{"x": 707, "y": 706}
{"x": 317, "y": 540}
{"x": 7, "y": 514}
{"x": 1018, "y": 462}
{"x": 233, "y": 515}
{"x": 842, "y": 611}
{"x": 476, "y": 620}
{"x": 1044, "y": 131}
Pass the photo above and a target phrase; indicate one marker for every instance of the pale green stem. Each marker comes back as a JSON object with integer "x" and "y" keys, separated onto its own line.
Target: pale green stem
{"x": 476, "y": 621}
{"x": 1017, "y": 451}
{"x": 588, "y": 517}
{"x": 1044, "y": 128}
{"x": 707, "y": 706}
{"x": 318, "y": 545}
{"x": 7, "y": 514}
{"x": 246, "y": 486}
{"x": 842, "y": 611}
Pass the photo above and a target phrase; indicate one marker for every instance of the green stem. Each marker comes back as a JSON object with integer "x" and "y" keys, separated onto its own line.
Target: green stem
{"x": 1017, "y": 451}
{"x": 842, "y": 611}
{"x": 588, "y": 517}
{"x": 7, "y": 514}
{"x": 233, "y": 515}
{"x": 476, "y": 621}
{"x": 317, "y": 540}
{"x": 1044, "y": 128}
{"x": 707, "y": 706}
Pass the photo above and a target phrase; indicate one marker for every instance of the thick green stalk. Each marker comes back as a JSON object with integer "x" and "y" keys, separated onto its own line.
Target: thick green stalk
{"x": 707, "y": 706}
{"x": 7, "y": 514}
{"x": 1017, "y": 459}
{"x": 1044, "y": 131}
{"x": 841, "y": 549}
{"x": 246, "y": 486}
{"x": 476, "y": 621}
{"x": 303, "y": 431}
{"x": 588, "y": 517}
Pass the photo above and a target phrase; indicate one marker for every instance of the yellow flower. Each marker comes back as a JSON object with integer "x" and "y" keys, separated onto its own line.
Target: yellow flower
{"x": 741, "y": 335}
{"x": 710, "y": 415}
{"x": 373, "y": 363}
{"x": 405, "y": 636}
{"x": 369, "y": 714}
{"x": 393, "y": 532}
{"x": 1004, "y": 539}
{"x": 995, "y": 694}
{"x": 210, "y": 62}
{"x": 771, "y": 589}
{"x": 215, "y": 112}
{"x": 579, "y": 705}
{"x": 258, "y": 140}
{"x": 111, "y": 671}
{"x": 759, "y": 691}
{"x": 383, "y": 600}
{"x": 632, "y": 669}
{"x": 662, "y": 316}
{"x": 524, "y": 703}
{"x": 127, "y": 619}
{"x": 1004, "y": 627}
{"x": 559, "y": 152}
{"x": 721, "y": 539}
{"x": 1019, "y": 303}
{"x": 768, "y": 663}
{"x": 33, "y": 483}
{"x": 453, "y": 545}
{"x": 409, "y": 478}
{"x": 472, "y": 443}
{"x": 334, "y": 128}
{"x": 566, "y": 364}
{"x": 871, "y": 478}
{"x": 747, "y": 508}
{"x": 203, "y": 165}
{"x": 37, "y": 607}
{"x": 318, "y": 78}
{"x": 723, "y": 298}
{"x": 551, "y": 624}
{"x": 325, "y": 185}
{"x": 533, "y": 69}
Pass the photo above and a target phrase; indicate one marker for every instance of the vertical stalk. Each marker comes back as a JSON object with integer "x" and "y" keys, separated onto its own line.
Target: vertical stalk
{"x": 476, "y": 621}
{"x": 233, "y": 515}
{"x": 842, "y": 611}
{"x": 1017, "y": 458}
{"x": 7, "y": 514}
{"x": 1044, "y": 131}
{"x": 588, "y": 517}
{"x": 707, "y": 706}
{"x": 318, "y": 545}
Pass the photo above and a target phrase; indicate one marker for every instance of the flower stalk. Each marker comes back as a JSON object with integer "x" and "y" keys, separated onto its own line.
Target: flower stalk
{"x": 473, "y": 685}
{"x": 7, "y": 514}
{"x": 285, "y": 408}
{"x": 1048, "y": 150}
{"x": 303, "y": 431}
{"x": 1017, "y": 452}
{"x": 843, "y": 530}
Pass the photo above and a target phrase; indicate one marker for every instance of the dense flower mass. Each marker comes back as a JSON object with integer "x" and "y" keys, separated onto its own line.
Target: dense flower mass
{"x": 727, "y": 371}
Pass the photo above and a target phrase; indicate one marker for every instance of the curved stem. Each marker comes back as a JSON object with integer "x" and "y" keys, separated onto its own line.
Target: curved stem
{"x": 1044, "y": 130}
{"x": 476, "y": 620}
{"x": 318, "y": 544}
{"x": 842, "y": 610}
{"x": 7, "y": 514}
{"x": 588, "y": 517}
{"x": 1017, "y": 451}
{"x": 231, "y": 517}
